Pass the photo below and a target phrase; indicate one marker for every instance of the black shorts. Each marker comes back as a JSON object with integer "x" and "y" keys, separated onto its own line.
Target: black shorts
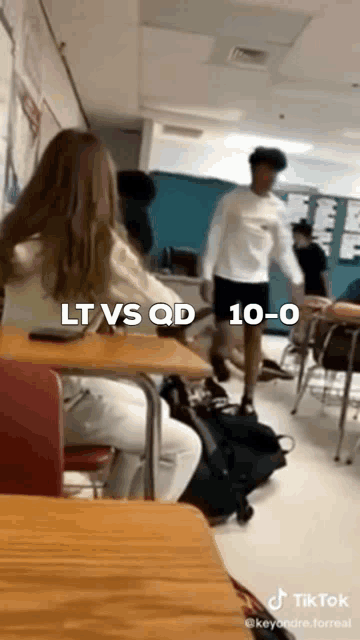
{"x": 227, "y": 293}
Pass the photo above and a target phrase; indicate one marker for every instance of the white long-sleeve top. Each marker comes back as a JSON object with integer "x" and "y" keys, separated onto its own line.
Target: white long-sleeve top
{"x": 248, "y": 230}
{"x": 28, "y": 306}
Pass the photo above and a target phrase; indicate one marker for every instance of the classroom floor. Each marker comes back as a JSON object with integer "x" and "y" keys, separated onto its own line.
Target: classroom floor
{"x": 303, "y": 537}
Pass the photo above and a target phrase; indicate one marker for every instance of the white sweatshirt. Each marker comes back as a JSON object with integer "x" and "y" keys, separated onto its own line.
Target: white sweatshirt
{"x": 247, "y": 230}
{"x": 28, "y": 306}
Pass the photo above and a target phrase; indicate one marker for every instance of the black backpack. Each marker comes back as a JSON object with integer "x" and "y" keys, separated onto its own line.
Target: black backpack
{"x": 239, "y": 454}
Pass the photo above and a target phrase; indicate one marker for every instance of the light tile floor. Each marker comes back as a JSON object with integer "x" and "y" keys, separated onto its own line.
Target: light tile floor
{"x": 303, "y": 537}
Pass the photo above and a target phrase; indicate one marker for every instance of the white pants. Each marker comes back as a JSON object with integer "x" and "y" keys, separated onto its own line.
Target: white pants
{"x": 114, "y": 414}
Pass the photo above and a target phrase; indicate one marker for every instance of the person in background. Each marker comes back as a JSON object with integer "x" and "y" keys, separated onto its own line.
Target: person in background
{"x": 312, "y": 260}
{"x": 313, "y": 263}
{"x": 246, "y": 228}
{"x": 269, "y": 369}
{"x": 64, "y": 243}
{"x": 136, "y": 192}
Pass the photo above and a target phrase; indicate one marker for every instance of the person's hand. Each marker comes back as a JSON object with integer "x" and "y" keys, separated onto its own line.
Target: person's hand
{"x": 298, "y": 295}
{"x": 207, "y": 291}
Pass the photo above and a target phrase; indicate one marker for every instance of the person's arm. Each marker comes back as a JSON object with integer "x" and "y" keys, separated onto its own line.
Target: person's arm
{"x": 214, "y": 239}
{"x": 130, "y": 282}
{"x": 138, "y": 225}
{"x": 324, "y": 276}
{"x": 323, "y": 268}
{"x": 285, "y": 255}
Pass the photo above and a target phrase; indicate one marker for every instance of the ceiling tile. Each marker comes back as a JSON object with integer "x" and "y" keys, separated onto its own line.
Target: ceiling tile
{"x": 226, "y": 18}
{"x": 189, "y": 48}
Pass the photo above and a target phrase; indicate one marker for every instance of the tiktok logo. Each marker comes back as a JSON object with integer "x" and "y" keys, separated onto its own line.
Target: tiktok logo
{"x": 276, "y": 602}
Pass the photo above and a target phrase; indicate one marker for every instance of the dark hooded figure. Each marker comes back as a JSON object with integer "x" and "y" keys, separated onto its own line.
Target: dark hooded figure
{"x": 136, "y": 192}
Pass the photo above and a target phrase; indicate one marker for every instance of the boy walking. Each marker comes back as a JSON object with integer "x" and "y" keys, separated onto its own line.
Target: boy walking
{"x": 246, "y": 228}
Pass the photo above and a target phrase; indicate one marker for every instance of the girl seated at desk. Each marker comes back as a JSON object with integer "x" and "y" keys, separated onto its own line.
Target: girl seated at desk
{"x": 61, "y": 244}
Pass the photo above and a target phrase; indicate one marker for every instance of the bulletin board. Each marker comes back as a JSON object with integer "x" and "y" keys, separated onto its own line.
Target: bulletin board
{"x": 6, "y": 75}
{"x": 27, "y": 118}
{"x": 25, "y": 87}
{"x": 49, "y": 128}
{"x": 8, "y": 16}
{"x": 31, "y": 50}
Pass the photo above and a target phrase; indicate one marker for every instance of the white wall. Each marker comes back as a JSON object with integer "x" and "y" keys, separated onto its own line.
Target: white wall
{"x": 335, "y": 178}
{"x": 55, "y": 85}
{"x": 124, "y": 147}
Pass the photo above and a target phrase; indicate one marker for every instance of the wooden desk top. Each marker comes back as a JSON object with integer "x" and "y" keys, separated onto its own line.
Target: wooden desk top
{"x": 129, "y": 354}
{"x": 343, "y": 312}
{"x": 78, "y": 570}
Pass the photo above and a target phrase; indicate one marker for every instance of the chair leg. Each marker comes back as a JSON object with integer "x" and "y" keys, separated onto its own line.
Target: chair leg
{"x": 346, "y": 393}
{"x": 300, "y": 394}
{"x": 153, "y": 424}
{"x": 112, "y": 466}
{"x": 353, "y": 453}
{"x": 93, "y": 478}
{"x": 304, "y": 353}
{"x": 326, "y": 388}
{"x": 95, "y": 489}
{"x": 357, "y": 409}
{"x": 343, "y": 416}
{"x": 284, "y": 354}
{"x": 153, "y": 434}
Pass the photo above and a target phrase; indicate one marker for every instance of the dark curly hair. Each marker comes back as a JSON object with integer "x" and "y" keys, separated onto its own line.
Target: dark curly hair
{"x": 137, "y": 191}
{"x": 302, "y": 227}
{"x": 272, "y": 157}
{"x": 136, "y": 185}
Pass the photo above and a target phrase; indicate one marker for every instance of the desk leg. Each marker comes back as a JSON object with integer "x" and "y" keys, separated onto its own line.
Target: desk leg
{"x": 153, "y": 433}
{"x": 304, "y": 353}
{"x": 153, "y": 419}
{"x": 346, "y": 393}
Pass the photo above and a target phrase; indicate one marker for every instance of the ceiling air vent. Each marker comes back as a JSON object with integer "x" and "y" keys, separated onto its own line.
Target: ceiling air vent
{"x": 182, "y": 132}
{"x": 243, "y": 56}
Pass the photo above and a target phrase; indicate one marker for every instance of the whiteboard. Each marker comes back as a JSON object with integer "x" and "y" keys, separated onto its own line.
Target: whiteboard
{"x": 6, "y": 66}
{"x": 49, "y": 127}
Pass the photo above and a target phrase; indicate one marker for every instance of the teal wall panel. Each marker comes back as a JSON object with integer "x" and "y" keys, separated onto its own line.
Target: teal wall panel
{"x": 182, "y": 211}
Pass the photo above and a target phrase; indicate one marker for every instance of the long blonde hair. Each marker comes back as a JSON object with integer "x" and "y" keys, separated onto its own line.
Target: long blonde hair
{"x": 70, "y": 203}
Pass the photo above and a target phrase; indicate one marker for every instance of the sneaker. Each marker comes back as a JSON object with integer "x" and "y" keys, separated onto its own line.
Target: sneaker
{"x": 271, "y": 367}
{"x": 221, "y": 371}
{"x": 266, "y": 376}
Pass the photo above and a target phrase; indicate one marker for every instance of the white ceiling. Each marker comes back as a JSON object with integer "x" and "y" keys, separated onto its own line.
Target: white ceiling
{"x": 151, "y": 58}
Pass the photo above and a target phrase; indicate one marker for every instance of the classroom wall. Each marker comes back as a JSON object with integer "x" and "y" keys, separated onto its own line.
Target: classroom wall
{"x": 124, "y": 147}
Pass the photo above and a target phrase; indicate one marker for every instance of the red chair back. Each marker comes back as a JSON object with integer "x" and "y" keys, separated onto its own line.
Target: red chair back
{"x": 31, "y": 430}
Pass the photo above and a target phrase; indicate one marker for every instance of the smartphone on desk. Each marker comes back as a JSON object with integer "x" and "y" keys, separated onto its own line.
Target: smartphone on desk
{"x": 55, "y": 335}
